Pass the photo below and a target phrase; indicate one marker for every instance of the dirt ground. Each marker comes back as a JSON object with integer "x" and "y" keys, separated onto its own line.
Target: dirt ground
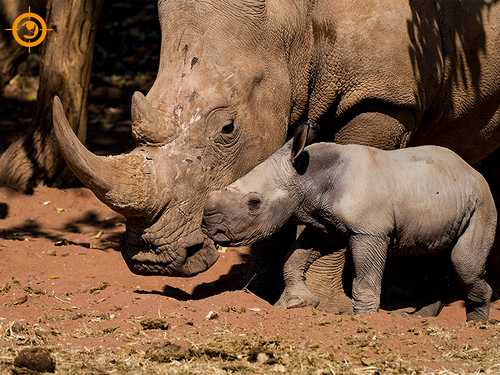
{"x": 65, "y": 287}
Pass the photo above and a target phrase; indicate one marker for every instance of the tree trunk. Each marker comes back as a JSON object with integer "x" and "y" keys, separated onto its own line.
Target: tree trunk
{"x": 65, "y": 71}
{"x": 11, "y": 52}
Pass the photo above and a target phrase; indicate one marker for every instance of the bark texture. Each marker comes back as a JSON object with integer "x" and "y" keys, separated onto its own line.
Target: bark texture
{"x": 11, "y": 52}
{"x": 65, "y": 70}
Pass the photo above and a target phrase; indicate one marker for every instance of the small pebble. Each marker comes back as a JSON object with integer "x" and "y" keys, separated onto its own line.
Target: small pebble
{"x": 212, "y": 315}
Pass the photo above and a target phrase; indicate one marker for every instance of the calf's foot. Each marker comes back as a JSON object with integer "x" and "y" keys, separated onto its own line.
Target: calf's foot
{"x": 479, "y": 311}
{"x": 428, "y": 310}
{"x": 424, "y": 311}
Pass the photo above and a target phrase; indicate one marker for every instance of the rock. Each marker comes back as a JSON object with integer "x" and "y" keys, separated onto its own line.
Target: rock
{"x": 166, "y": 352}
{"x": 36, "y": 359}
{"x": 155, "y": 323}
{"x": 261, "y": 355}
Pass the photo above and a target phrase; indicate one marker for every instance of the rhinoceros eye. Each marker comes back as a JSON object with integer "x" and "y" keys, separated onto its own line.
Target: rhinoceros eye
{"x": 254, "y": 203}
{"x": 228, "y": 129}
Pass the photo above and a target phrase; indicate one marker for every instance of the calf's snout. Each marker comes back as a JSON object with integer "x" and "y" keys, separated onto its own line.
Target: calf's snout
{"x": 215, "y": 211}
{"x": 214, "y": 203}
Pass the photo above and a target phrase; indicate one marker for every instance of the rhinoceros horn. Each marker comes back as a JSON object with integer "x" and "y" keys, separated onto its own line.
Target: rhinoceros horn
{"x": 122, "y": 182}
{"x": 148, "y": 125}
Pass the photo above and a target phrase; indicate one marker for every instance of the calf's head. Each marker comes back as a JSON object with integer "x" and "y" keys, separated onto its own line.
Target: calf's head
{"x": 258, "y": 204}
{"x": 224, "y": 70}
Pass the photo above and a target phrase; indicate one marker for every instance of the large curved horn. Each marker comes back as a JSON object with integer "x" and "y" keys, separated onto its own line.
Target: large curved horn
{"x": 148, "y": 125}
{"x": 122, "y": 182}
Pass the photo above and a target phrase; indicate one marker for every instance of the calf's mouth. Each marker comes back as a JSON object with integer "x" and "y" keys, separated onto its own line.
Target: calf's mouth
{"x": 214, "y": 226}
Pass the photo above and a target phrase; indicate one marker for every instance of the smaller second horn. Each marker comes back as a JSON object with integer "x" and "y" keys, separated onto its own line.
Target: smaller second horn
{"x": 148, "y": 125}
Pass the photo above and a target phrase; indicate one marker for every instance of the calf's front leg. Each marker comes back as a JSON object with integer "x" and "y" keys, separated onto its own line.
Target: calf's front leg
{"x": 369, "y": 254}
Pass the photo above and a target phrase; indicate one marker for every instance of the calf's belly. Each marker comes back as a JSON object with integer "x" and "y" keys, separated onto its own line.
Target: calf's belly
{"x": 410, "y": 245}
{"x": 429, "y": 230}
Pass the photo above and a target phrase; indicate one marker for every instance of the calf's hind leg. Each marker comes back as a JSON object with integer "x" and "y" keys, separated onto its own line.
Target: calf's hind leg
{"x": 468, "y": 257}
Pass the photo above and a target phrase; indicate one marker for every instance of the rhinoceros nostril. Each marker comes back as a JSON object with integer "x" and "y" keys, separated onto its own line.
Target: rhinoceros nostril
{"x": 219, "y": 231}
{"x": 191, "y": 250}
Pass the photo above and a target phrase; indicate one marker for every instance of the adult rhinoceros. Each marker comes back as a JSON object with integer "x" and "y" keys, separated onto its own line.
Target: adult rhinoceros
{"x": 235, "y": 77}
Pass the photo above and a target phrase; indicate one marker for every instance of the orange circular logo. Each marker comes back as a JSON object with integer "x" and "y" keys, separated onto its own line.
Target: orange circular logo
{"x": 36, "y": 31}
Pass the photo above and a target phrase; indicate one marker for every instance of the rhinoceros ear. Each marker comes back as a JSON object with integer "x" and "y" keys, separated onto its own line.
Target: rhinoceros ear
{"x": 304, "y": 135}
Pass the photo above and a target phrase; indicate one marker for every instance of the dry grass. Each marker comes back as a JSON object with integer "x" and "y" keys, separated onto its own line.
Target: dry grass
{"x": 254, "y": 354}
{"x": 152, "y": 350}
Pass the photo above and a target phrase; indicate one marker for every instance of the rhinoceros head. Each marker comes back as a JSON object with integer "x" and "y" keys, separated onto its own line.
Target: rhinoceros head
{"x": 221, "y": 103}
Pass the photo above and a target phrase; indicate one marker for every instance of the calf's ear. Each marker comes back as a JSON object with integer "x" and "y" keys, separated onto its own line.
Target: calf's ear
{"x": 304, "y": 135}
{"x": 299, "y": 141}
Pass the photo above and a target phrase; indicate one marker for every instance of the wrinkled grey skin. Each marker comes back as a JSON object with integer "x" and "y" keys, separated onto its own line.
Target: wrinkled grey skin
{"x": 414, "y": 201}
{"x": 236, "y": 77}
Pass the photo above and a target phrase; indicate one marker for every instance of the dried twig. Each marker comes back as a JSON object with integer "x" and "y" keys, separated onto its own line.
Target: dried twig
{"x": 246, "y": 286}
{"x": 56, "y": 297}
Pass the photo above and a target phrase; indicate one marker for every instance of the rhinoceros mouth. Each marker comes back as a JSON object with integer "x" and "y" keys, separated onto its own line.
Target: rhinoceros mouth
{"x": 214, "y": 226}
{"x": 187, "y": 261}
{"x": 148, "y": 268}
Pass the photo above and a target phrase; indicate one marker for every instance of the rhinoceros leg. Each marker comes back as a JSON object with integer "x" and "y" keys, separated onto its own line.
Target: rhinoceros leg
{"x": 302, "y": 254}
{"x": 265, "y": 274}
{"x": 328, "y": 277}
{"x": 369, "y": 255}
{"x": 323, "y": 278}
{"x": 469, "y": 266}
{"x": 490, "y": 169}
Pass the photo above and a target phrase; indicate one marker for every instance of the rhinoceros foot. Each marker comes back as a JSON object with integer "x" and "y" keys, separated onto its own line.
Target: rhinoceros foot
{"x": 297, "y": 296}
{"x": 423, "y": 311}
{"x": 478, "y": 311}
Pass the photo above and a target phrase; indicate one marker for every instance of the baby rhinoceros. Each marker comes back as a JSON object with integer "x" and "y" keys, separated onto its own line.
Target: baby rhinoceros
{"x": 412, "y": 201}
